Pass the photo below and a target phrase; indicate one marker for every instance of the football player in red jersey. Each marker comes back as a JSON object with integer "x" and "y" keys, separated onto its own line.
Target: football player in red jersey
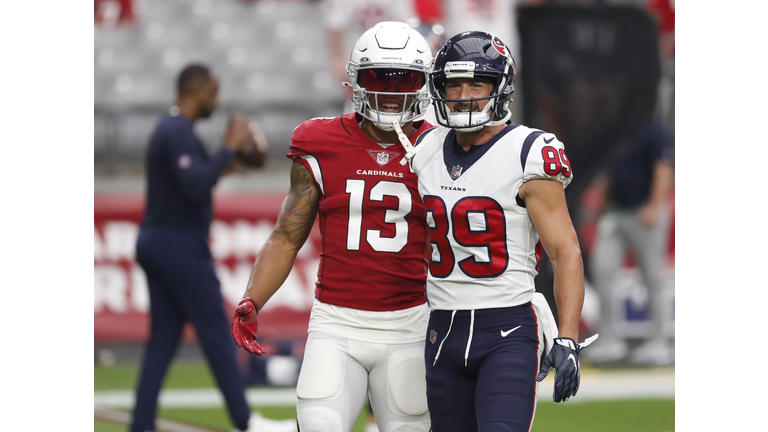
{"x": 368, "y": 323}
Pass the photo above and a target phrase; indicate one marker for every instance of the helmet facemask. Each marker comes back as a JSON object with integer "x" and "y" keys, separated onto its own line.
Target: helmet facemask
{"x": 496, "y": 107}
{"x": 384, "y": 94}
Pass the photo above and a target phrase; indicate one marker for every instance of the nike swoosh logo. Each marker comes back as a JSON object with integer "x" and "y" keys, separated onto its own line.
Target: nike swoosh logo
{"x": 505, "y": 333}
{"x": 573, "y": 359}
{"x": 550, "y": 140}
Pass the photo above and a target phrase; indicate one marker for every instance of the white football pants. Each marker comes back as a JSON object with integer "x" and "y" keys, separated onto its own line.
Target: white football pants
{"x": 337, "y": 374}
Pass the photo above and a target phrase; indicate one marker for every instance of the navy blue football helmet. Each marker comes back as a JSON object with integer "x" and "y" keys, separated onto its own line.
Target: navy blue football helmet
{"x": 477, "y": 55}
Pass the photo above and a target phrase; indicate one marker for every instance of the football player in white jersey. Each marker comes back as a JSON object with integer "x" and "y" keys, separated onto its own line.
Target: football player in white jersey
{"x": 494, "y": 193}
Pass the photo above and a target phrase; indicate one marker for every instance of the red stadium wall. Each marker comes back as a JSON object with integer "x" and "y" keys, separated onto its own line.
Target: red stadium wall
{"x": 241, "y": 225}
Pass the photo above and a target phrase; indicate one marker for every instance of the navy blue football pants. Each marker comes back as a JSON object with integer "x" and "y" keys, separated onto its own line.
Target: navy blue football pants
{"x": 484, "y": 376}
{"x": 183, "y": 287}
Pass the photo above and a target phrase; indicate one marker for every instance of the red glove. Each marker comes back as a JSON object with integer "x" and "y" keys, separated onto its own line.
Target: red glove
{"x": 244, "y": 326}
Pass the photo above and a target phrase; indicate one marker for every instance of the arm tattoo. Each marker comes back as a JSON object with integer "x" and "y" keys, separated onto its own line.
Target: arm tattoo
{"x": 300, "y": 206}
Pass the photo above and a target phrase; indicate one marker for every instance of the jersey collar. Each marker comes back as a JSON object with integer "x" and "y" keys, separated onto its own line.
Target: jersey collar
{"x": 457, "y": 161}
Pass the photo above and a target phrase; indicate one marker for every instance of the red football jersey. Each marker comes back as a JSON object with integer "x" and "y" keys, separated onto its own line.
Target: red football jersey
{"x": 372, "y": 219}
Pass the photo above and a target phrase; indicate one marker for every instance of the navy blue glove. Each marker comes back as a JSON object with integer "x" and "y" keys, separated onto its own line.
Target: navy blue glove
{"x": 564, "y": 358}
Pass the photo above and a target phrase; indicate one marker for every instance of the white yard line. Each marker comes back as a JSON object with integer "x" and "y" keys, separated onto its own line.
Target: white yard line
{"x": 600, "y": 385}
{"x": 595, "y": 385}
{"x": 196, "y": 398}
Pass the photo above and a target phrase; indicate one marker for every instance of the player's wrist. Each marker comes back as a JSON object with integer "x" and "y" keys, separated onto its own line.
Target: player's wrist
{"x": 250, "y": 300}
{"x": 230, "y": 146}
{"x": 566, "y": 342}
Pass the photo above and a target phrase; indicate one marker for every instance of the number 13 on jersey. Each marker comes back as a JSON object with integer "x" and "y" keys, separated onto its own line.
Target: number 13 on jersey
{"x": 396, "y": 216}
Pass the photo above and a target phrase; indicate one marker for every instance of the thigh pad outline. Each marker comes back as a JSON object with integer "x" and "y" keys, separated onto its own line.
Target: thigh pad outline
{"x": 407, "y": 427}
{"x": 322, "y": 373}
{"x": 407, "y": 382}
{"x": 319, "y": 419}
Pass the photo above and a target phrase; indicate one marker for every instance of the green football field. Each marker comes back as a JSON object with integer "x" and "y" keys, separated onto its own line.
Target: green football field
{"x": 628, "y": 415}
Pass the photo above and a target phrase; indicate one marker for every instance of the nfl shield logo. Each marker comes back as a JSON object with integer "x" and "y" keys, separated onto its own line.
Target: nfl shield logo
{"x": 456, "y": 172}
{"x": 432, "y": 336}
{"x": 382, "y": 158}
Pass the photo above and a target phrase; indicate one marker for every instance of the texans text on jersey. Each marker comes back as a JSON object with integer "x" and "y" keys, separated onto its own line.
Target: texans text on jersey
{"x": 453, "y": 188}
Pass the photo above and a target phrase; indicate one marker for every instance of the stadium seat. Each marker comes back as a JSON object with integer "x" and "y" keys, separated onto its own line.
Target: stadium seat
{"x": 135, "y": 129}
{"x": 142, "y": 91}
{"x": 117, "y": 38}
{"x": 167, "y": 10}
{"x": 270, "y": 56}
{"x": 104, "y": 131}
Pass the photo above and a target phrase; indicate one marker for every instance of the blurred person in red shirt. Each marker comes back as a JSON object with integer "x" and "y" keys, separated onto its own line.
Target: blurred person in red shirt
{"x": 113, "y": 13}
{"x": 663, "y": 11}
{"x": 346, "y": 20}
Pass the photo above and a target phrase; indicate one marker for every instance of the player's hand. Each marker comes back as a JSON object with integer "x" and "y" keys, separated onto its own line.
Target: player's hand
{"x": 253, "y": 154}
{"x": 245, "y": 325}
{"x": 238, "y": 132}
{"x": 649, "y": 215}
{"x": 564, "y": 358}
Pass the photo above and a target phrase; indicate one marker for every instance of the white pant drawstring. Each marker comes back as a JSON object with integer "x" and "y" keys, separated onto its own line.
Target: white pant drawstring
{"x": 469, "y": 339}
{"x": 453, "y": 314}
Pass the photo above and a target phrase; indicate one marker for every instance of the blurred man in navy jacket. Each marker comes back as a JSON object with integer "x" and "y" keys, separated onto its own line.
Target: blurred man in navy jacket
{"x": 173, "y": 250}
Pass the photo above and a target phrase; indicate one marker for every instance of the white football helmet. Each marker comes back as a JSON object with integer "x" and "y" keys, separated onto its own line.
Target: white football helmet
{"x": 389, "y": 69}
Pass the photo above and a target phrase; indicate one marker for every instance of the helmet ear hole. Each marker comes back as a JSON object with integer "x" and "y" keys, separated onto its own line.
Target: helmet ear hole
{"x": 438, "y": 83}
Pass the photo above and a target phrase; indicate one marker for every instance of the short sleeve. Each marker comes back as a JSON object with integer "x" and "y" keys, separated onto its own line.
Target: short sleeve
{"x": 300, "y": 154}
{"x": 298, "y": 142}
{"x": 546, "y": 159}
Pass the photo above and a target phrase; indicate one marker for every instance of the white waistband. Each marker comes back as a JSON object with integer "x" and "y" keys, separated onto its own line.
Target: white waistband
{"x": 399, "y": 326}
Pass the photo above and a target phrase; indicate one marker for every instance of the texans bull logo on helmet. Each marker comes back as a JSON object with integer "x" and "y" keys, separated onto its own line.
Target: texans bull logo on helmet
{"x": 499, "y": 46}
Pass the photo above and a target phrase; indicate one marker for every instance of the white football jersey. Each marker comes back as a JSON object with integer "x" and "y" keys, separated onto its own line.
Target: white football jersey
{"x": 485, "y": 249}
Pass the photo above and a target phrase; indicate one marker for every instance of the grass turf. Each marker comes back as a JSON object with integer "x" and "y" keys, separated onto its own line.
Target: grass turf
{"x": 180, "y": 376}
{"x": 642, "y": 415}
{"x": 214, "y": 418}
